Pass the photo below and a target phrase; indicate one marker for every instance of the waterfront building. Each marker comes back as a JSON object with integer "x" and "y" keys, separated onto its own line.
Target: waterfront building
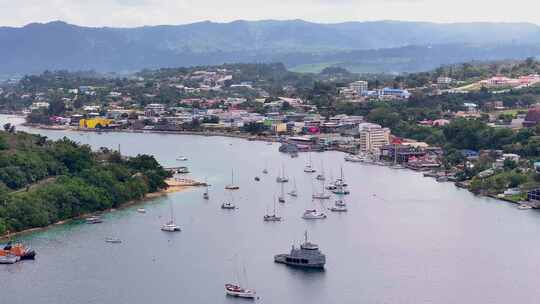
{"x": 373, "y": 137}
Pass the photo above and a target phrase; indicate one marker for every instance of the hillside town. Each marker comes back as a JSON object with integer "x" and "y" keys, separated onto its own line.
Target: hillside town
{"x": 380, "y": 121}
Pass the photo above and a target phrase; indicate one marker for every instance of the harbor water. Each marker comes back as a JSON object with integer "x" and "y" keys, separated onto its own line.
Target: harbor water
{"x": 404, "y": 239}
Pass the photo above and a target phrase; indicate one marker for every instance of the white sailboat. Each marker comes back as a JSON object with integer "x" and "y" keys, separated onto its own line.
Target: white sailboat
{"x": 294, "y": 191}
{"x": 309, "y": 168}
{"x": 281, "y": 197}
{"x": 232, "y": 186}
{"x": 321, "y": 176}
{"x": 322, "y": 194}
{"x": 170, "y": 226}
{"x": 340, "y": 185}
{"x": 236, "y": 289}
{"x": 272, "y": 217}
{"x": 282, "y": 178}
{"x": 206, "y": 195}
{"x": 339, "y": 205}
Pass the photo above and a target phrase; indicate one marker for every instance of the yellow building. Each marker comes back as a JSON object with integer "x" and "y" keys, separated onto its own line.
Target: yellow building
{"x": 94, "y": 123}
{"x": 279, "y": 128}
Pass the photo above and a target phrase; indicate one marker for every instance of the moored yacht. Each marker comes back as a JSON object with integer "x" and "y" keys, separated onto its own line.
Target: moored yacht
{"x": 313, "y": 214}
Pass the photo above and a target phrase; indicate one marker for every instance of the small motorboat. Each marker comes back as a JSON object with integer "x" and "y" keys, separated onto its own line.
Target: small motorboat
{"x": 313, "y": 214}
{"x": 257, "y": 178}
{"x": 228, "y": 205}
{"x": 271, "y": 218}
{"x": 237, "y": 291}
{"x": 321, "y": 196}
{"x": 113, "y": 240}
{"x": 265, "y": 171}
{"x": 170, "y": 227}
{"x": 309, "y": 169}
{"x": 141, "y": 210}
{"x": 9, "y": 259}
{"x": 232, "y": 187}
{"x": 93, "y": 220}
{"x": 320, "y": 177}
{"x": 524, "y": 207}
{"x": 182, "y": 158}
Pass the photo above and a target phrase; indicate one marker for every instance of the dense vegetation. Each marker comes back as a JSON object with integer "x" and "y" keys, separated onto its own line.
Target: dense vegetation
{"x": 43, "y": 181}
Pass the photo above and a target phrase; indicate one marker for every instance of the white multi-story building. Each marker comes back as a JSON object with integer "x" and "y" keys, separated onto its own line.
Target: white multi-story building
{"x": 444, "y": 80}
{"x": 373, "y": 137}
{"x": 359, "y": 86}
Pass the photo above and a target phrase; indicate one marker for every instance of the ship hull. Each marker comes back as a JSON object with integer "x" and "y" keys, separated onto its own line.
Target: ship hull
{"x": 282, "y": 259}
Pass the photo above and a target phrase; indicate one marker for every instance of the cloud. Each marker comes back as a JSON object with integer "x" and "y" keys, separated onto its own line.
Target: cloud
{"x": 152, "y": 12}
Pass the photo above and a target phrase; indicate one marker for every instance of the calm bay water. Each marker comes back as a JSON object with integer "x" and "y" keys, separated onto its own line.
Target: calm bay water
{"x": 405, "y": 239}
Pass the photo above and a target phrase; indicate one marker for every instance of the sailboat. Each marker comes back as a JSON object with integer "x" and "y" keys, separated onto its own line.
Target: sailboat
{"x": 322, "y": 194}
{"x": 340, "y": 185}
{"x": 232, "y": 186}
{"x": 236, "y": 289}
{"x": 282, "y": 178}
{"x": 265, "y": 170}
{"x": 396, "y": 165}
{"x": 170, "y": 226}
{"x": 272, "y": 217}
{"x": 294, "y": 191}
{"x": 112, "y": 239}
{"x": 206, "y": 195}
{"x": 309, "y": 167}
{"x": 281, "y": 197}
{"x": 321, "y": 176}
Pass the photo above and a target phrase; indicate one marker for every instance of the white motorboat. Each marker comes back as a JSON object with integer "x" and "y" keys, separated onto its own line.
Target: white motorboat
{"x": 113, "y": 240}
{"x": 94, "y": 220}
{"x": 170, "y": 227}
{"x": 337, "y": 209}
{"x": 228, "y": 205}
{"x": 524, "y": 207}
{"x": 9, "y": 259}
{"x": 141, "y": 210}
{"x": 339, "y": 206}
{"x": 313, "y": 214}
{"x": 182, "y": 158}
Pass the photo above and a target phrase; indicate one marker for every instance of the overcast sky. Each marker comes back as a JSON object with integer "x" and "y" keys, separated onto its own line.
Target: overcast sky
{"x": 127, "y": 13}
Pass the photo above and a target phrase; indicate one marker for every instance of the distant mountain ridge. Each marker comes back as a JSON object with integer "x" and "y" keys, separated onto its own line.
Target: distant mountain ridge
{"x": 58, "y": 45}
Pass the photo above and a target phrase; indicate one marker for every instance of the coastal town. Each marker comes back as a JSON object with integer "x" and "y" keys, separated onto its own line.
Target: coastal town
{"x": 266, "y": 102}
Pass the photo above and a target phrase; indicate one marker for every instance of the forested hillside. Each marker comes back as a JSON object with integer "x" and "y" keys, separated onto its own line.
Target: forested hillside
{"x": 43, "y": 181}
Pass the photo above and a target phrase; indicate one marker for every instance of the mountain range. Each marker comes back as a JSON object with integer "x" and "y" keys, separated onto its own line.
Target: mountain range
{"x": 381, "y": 46}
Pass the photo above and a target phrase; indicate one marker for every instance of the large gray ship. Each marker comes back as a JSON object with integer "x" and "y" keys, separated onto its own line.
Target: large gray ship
{"x": 307, "y": 255}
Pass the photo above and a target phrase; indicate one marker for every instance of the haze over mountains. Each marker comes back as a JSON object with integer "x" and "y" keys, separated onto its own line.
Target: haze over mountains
{"x": 383, "y": 46}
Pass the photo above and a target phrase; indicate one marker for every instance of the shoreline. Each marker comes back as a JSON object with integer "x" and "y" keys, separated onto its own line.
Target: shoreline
{"x": 239, "y": 135}
{"x": 173, "y": 187}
